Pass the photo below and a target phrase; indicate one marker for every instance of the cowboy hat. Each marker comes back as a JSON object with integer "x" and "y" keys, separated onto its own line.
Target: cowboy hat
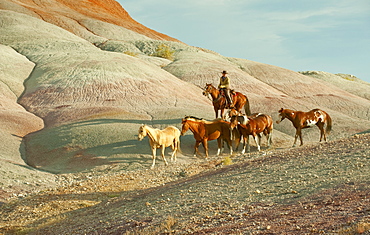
{"x": 224, "y": 72}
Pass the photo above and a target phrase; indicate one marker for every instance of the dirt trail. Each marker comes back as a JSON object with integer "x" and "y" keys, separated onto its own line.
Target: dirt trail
{"x": 319, "y": 188}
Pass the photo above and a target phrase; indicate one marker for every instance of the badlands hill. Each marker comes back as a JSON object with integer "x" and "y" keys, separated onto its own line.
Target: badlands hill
{"x": 77, "y": 80}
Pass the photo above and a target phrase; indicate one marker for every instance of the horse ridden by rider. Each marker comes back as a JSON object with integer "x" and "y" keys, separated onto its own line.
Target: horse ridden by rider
{"x": 224, "y": 87}
{"x": 223, "y": 98}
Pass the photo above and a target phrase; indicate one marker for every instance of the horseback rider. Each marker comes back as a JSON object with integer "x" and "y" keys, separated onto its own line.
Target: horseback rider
{"x": 225, "y": 87}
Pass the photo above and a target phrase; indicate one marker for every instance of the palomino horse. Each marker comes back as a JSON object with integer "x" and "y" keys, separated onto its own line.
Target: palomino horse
{"x": 303, "y": 120}
{"x": 205, "y": 131}
{"x": 254, "y": 125}
{"x": 170, "y": 136}
{"x": 219, "y": 102}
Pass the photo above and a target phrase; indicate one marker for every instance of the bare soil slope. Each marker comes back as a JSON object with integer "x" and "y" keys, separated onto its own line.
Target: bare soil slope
{"x": 77, "y": 81}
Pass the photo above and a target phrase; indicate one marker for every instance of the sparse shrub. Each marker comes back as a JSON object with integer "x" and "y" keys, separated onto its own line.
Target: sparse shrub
{"x": 169, "y": 223}
{"x": 183, "y": 173}
{"x": 361, "y": 227}
{"x": 164, "y": 228}
{"x": 164, "y": 51}
{"x": 227, "y": 161}
{"x": 113, "y": 195}
{"x": 131, "y": 53}
{"x": 349, "y": 79}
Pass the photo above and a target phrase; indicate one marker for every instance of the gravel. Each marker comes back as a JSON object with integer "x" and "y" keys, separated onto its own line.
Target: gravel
{"x": 317, "y": 188}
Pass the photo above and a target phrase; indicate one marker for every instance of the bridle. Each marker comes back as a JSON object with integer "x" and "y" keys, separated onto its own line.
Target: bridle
{"x": 207, "y": 94}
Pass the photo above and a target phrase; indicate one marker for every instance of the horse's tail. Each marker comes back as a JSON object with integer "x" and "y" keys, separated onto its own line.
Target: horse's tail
{"x": 176, "y": 142}
{"x": 247, "y": 107}
{"x": 328, "y": 124}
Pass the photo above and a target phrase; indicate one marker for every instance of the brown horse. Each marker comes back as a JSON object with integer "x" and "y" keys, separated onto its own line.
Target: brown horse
{"x": 219, "y": 101}
{"x": 205, "y": 131}
{"x": 254, "y": 125}
{"x": 303, "y": 120}
{"x": 170, "y": 136}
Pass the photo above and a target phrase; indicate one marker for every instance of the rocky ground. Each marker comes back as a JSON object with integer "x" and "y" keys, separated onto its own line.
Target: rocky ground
{"x": 314, "y": 189}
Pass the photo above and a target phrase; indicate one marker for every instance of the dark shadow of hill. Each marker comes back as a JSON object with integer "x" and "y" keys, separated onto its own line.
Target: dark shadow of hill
{"x": 72, "y": 159}
{"x": 175, "y": 121}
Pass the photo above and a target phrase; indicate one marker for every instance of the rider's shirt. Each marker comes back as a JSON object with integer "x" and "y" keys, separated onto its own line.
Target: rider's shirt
{"x": 224, "y": 82}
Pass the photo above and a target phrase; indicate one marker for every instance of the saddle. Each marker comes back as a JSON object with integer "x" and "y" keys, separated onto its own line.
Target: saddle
{"x": 232, "y": 95}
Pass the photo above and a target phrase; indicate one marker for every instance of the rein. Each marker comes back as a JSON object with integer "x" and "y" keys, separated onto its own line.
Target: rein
{"x": 214, "y": 100}
{"x": 209, "y": 97}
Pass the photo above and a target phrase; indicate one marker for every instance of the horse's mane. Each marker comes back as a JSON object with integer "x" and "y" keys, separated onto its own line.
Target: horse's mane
{"x": 196, "y": 119}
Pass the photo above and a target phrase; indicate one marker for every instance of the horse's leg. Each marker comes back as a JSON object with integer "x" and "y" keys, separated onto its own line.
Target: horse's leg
{"x": 164, "y": 158}
{"x": 205, "y": 145}
{"x": 297, "y": 133}
{"x": 196, "y": 148}
{"x": 222, "y": 114}
{"x": 219, "y": 144}
{"x": 216, "y": 111}
{"x": 300, "y": 136}
{"x": 174, "y": 150}
{"x": 222, "y": 145}
{"x": 230, "y": 143}
{"x": 232, "y": 137}
{"x": 322, "y": 130}
{"x": 228, "y": 140}
{"x": 237, "y": 140}
{"x": 153, "y": 156}
{"x": 246, "y": 143}
{"x": 269, "y": 138}
{"x": 257, "y": 139}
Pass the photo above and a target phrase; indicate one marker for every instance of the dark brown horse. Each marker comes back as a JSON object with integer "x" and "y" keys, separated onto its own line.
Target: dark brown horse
{"x": 205, "y": 131}
{"x": 219, "y": 101}
{"x": 254, "y": 125}
{"x": 303, "y": 120}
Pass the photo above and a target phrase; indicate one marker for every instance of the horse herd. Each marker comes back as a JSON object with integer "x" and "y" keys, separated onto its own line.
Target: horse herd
{"x": 239, "y": 127}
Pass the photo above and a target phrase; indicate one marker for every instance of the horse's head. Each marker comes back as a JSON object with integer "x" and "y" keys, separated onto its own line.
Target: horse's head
{"x": 142, "y": 132}
{"x": 234, "y": 121}
{"x": 234, "y": 112}
{"x": 185, "y": 126}
{"x": 283, "y": 113}
{"x": 208, "y": 89}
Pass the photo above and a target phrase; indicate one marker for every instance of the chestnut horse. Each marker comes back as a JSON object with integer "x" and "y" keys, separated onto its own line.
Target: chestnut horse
{"x": 170, "y": 136}
{"x": 254, "y": 125}
{"x": 303, "y": 120}
{"x": 219, "y": 101}
{"x": 205, "y": 131}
